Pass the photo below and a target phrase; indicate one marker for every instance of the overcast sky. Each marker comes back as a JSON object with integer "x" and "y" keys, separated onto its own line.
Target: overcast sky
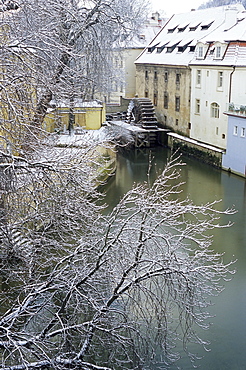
{"x": 171, "y": 7}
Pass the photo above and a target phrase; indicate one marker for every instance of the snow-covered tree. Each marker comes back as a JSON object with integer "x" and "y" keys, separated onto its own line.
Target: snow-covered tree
{"x": 56, "y": 49}
{"x": 81, "y": 289}
{"x": 115, "y": 291}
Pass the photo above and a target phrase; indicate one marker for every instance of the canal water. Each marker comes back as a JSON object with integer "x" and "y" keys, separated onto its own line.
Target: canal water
{"x": 203, "y": 184}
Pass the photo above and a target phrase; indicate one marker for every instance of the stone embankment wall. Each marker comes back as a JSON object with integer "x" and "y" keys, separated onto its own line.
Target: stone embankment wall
{"x": 205, "y": 153}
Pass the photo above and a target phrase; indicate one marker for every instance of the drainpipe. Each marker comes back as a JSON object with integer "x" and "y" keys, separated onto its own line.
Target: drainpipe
{"x": 230, "y": 83}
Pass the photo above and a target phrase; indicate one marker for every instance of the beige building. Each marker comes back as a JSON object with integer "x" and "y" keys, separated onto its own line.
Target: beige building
{"x": 163, "y": 71}
{"x": 124, "y": 85}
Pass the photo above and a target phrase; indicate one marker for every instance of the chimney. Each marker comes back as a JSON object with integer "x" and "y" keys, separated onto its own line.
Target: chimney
{"x": 230, "y": 17}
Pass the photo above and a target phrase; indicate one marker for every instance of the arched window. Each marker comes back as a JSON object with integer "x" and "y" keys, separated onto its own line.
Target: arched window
{"x": 215, "y": 110}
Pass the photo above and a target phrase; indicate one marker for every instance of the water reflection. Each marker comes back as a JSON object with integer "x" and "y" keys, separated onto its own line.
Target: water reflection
{"x": 203, "y": 184}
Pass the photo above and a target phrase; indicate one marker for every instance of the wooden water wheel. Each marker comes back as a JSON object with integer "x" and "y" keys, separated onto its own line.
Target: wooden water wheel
{"x": 141, "y": 112}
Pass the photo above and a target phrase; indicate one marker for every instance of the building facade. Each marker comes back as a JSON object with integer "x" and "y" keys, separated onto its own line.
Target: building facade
{"x": 124, "y": 84}
{"x": 218, "y": 75}
{"x": 164, "y": 73}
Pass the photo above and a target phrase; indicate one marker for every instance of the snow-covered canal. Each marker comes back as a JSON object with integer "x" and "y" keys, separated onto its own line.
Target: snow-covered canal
{"x": 204, "y": 184}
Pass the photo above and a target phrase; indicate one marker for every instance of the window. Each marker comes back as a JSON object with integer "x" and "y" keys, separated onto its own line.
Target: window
{"x": 200, "y": 52}
{"x": 217, "y": 131}
{"x": 177, "y": 122}
{"x": 177, "y": 103}
{"x": 159, "y": 49}
{"x": 235, "y": 131}
{"x": 166, "y": 76}
{"x": 243, "y": 131}
{"x": 198, "y": 77}
{"x": 165, "y": 120}
{"x": 178, "y": 75}
{"x": 170, "y": 48}
{"x": 166, "y": 100}
{"x": 218, "y": 52}
{"x": 151, "y": 49}
{"x": 146, "y": 94}
{"x": 215, "y": 110}
{"x": 193, "y": 28}
{"x": 181, "y": 29}
{"x": 155, "y": 99}
{"x": 171, "y": 30}
{"x": 198, "y": 106}
{"x": 114, "y": 86}
{"x": 155, "y": 75}
{"x": 220, "y": 79}
{"x": 206, "y": 25}
{"x": 146, "y": 75}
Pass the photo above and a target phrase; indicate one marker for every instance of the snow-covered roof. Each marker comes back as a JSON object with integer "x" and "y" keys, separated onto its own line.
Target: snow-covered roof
{"x": 233, "y": 38}
{"x": 237, "y": 32}
{"x": 143, "y": 38}
{"x": 79, "y": 103}
{"x": 185, "y": 30}
{"x": 145, "y": 34}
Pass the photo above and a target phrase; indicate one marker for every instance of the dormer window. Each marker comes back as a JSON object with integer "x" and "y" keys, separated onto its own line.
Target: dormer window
{"x": 171, "y": 30}
{"x": 182, "y": 27}
{"x": 219, "y": 50}
{"x": 160, "y": 48}
{"x": 182, "y": 46}
{"x": 172, "y": 45}
{"x": 201, "y": 50}
{"x": 193, "y": 26}
{"x": 206, "y": 25}
{"x": 170, "y": 49}
{"x": 151, "y": 49}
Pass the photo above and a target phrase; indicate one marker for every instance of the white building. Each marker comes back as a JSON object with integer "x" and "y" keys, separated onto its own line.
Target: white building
{"x": 218, "y": 76}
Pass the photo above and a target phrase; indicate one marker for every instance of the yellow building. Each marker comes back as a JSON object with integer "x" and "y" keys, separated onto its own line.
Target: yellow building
{"x": 87, "y": 115}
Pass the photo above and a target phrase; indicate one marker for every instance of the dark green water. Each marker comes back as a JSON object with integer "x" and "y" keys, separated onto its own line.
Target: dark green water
{"x": 203, "y": 184}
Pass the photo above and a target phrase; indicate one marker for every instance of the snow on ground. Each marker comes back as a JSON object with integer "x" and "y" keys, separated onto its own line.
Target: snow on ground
{"x": 84, "y": 137}
{"x": 117, "y": 131}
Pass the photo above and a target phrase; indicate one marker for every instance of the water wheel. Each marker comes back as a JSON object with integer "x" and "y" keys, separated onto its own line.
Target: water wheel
{"x": 141, "y": 112}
